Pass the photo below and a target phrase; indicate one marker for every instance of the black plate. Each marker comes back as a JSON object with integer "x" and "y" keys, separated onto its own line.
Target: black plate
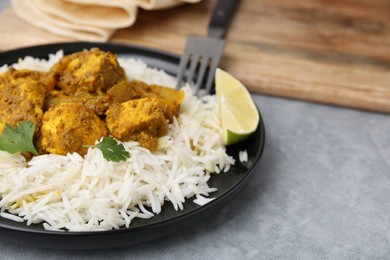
{"x": 169, "y": 221}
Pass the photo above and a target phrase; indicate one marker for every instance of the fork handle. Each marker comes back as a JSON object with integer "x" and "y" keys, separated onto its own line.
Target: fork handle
{"x": 222, "y": 15}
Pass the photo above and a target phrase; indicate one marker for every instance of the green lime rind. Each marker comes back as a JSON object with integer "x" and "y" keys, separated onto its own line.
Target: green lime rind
{"x": 233, "y": 138}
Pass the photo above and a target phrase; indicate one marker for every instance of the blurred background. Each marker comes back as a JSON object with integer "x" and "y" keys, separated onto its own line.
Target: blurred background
{"x": 319, "y": 70}
{"x": 334, "y": 51}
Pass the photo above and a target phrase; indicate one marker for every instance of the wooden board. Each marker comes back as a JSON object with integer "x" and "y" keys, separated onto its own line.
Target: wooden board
{"x": 329, "y": 51}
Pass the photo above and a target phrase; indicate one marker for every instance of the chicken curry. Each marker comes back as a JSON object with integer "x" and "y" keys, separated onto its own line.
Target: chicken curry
{"x": 83, "y": 97}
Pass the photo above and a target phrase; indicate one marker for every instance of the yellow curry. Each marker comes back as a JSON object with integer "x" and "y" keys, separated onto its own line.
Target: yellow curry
{"x": 86, "y": 96}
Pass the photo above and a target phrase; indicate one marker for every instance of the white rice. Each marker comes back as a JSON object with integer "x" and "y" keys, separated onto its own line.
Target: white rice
{"x": 243, "y": 156}
{"x": 200, "y": 200}
{"x": 90, "y": 193}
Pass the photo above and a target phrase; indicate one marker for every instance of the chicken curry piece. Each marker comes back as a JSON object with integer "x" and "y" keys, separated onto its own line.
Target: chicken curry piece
{"x": 140, "y": 120}
{"x": 22, "y": 96}
{"x": 70, "y": 127}
{"x": 93, "y": 71}
{"x": 143, "y": 114}
{"x": 169, "y": 98}
{"x": 86, "y": 96}
{"x": 85, "y": 77}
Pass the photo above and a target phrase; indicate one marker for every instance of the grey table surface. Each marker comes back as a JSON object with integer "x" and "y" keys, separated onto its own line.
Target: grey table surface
{"x": 321, "y": 191}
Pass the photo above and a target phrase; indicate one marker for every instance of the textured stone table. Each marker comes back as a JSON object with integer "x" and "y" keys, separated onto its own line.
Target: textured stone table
{"x": 322, "y": 191}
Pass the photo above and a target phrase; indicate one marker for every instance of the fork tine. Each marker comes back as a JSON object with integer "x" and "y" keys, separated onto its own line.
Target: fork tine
{"x": 202, "y": 70}
{"x": 210, "y": 78}
{"x": 182, "y": 68}
{"x": 202, "y": 56}
{"x": 191, "y": 71}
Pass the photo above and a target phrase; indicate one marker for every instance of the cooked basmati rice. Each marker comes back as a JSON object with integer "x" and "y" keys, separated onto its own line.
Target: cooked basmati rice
{"x": 90, "y": 193}
{"x": 200, "y": 200}
{"x": 243, "y": 156}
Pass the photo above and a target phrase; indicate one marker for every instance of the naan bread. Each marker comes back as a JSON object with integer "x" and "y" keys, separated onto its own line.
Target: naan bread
{"x": 86, "y": 20}
{"x": 32, "y": 14}
{"x": 106, "y": 14}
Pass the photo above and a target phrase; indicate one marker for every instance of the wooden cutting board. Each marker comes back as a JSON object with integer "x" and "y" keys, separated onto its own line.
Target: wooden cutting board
{"x": 329, "y": 51}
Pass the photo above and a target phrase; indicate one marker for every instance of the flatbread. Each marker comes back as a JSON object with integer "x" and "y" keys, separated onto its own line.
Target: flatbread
{"x": 32, "y": 14}
{"x": 106, "y": 14}
{"x": 86, "y": 20}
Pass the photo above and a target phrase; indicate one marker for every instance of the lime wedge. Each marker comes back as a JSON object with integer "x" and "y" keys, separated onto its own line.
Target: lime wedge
{"x": 239, "y": 115}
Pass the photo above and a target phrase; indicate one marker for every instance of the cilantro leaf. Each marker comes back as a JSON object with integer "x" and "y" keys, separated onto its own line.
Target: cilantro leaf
{"x": 112, "y": 150}
{"x": 18, "y": 139}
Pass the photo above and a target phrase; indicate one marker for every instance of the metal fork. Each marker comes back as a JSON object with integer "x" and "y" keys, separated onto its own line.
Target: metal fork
{"x": 203, "y": 53}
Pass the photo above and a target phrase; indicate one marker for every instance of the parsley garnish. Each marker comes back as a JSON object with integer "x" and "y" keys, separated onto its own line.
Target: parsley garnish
{"x": 112, "y": 150}
{"x": 18, "y": 139}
